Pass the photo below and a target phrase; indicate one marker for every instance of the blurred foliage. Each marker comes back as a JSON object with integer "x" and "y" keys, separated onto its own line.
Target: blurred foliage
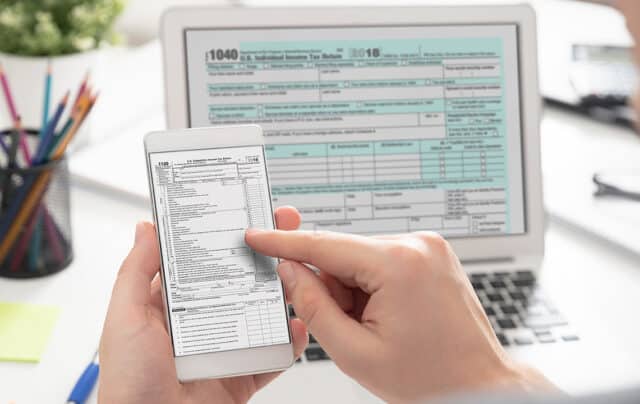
{"x": 56, "y": 27}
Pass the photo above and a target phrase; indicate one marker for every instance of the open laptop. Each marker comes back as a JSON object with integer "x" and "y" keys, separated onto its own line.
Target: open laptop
{"x": 389, "y": 120}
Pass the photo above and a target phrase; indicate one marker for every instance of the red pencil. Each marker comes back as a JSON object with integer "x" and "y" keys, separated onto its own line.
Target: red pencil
{"x": 83, "y": 86}
{"x": 14, "y": 115}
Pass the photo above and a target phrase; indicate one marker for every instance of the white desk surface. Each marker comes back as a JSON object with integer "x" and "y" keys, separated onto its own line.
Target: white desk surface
{"x": 596, "y": 286}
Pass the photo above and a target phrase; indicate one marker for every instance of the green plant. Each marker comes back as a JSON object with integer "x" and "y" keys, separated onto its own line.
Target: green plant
{"x": 56, "y": 27}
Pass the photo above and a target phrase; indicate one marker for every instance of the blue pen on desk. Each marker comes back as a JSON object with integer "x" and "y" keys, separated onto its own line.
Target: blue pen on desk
{"x": 85, "y": 383}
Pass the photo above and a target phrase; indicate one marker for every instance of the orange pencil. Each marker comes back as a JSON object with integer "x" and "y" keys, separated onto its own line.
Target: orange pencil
{"x": 82, "y": 88}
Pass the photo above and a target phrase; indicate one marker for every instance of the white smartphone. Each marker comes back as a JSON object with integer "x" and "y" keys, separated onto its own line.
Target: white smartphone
{"x": 225, "y": 305}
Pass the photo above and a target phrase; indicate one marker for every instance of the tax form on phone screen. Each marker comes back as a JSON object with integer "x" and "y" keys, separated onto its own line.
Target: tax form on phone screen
{"x": 221, "y": 295}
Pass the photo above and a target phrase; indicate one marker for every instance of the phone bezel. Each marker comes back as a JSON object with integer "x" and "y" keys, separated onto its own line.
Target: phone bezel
{"x": 227, "y": 363}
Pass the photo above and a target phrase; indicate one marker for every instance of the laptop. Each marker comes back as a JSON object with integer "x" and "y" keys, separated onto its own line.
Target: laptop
{"x": 389, "y": 120}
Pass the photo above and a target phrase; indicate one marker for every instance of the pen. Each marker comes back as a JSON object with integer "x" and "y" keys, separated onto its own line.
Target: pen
{"x": 85, "y": 383}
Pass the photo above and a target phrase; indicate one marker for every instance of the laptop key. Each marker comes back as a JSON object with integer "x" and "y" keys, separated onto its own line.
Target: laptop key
{"x": 489, "y": 311}
{"x": 316, "y": 354}
{"x": 525, "y": 274}
{"x": 523, "y": 282}
{"x": 517, "y": 295}
{"x": 498, "y": 284}
{"x": 495, "y": 297}
{"x": 509, "y": 309}
{"x": 503, "y": 339}
{"x": 477, "y": 285}
{"x": 523, "y": 341}
{"x": 570, "y": 337}
{"x": 506, "y": 323}
{"x": 478, "y": 276}
{"x": 535, "y": 310}
{"x": 312, "y": 339}
{"x": 546, "y": 339}
{"x": 545, "y": 321}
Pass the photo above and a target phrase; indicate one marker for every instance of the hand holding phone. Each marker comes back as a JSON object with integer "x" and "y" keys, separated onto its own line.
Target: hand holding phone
{"x": 136, "y": 356}
{"x": 136, "y": 359}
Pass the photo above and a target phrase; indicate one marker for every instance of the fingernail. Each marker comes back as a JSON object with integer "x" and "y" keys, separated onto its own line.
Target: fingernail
{"x": 139, "y": 232}
{"x": 285, "y": 270}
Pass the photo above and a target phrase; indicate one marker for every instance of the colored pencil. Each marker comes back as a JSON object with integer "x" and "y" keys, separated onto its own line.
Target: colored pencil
{"x": 82, "y": 87}
{"x": 73, "y": 118}
{"x": 19, "y": 251}
{"x": 14, "y": 114}
{"x": 47, "y": 99}
{"x": 77, "y": 109}
{"x": 54, "y": 236}
{"x": 84, "y": 109}
{"x": 35, "y": 242}
{"x": 34, "y": 246}
{"x": 31, "y": 194}
{"x": 7, "y": 94}
{"x": 49, "y": 131}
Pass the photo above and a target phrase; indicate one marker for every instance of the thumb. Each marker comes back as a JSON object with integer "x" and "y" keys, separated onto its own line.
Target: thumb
{"x": 345, "y": 340}
{"x": 133, "y": 285}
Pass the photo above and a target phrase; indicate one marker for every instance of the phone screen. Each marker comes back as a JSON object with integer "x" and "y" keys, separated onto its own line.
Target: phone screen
{"x": 221, "y": 295}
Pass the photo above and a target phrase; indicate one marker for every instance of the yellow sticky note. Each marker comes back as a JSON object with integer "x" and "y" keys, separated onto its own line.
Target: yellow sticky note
{"x": 25, "y": 330}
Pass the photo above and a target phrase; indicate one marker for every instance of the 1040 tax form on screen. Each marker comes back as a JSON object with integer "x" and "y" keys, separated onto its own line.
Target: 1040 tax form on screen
{"x": 221, "y": 295}
{"x": 371, "y": 130}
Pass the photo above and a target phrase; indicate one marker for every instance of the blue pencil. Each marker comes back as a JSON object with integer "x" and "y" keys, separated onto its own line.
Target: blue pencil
{"x": 47, "y": 100}
{"x": 35, "y": 244}
{"x": 41, "y": 152}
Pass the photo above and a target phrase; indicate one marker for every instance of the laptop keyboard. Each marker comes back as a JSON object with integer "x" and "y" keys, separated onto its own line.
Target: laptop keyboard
{"x": 519, "y": 312}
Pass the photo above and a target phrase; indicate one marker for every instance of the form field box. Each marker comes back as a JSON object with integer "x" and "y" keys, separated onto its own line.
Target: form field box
{"x": 263, "y": 76}
{"x": 310, "y": 200}
{"x": 381, "y": 73}
{"x": 320, "y": 214}
{"x": 432, "y": 223}
{"x": 409, "y": 196}
{"x": 472, "y": 70}
{"x": 407, "y": 210}
{"x": 367, "y": 227}
{"x": 359, "y": 212}
{"x": 265, "y": 97}
{"x": 342, "y": 121}
{"x": 398, "y": 93}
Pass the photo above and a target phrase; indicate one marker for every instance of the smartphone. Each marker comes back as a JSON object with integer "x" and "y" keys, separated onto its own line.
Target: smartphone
{"x": 225, "y": 305}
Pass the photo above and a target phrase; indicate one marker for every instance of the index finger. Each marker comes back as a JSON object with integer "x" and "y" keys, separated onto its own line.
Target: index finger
{"x": 287, "y": 218}
{"x": 345, "y": 256}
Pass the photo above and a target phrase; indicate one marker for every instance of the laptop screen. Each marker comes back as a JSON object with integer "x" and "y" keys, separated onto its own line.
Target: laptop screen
{"x": 374, "y": 129}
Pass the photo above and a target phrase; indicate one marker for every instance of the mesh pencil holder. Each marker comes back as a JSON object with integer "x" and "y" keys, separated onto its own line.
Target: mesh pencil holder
{"x": 35, "y": 226}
